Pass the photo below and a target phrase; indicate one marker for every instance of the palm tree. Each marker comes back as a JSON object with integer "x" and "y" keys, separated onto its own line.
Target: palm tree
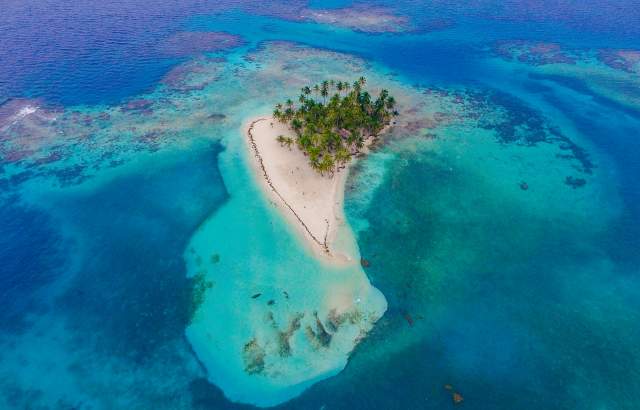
{"x": 391, "y": 103}
{"x": 365, "y": 100}
{"x": 289, "y": 142}
{"x": 329, "y": 131}
{"x": 296, "y": 124}
{"x": 285, "y": 141}
{"x": 342, "y": 155}
{"x": 383, "y": 95}
{"x": 314, "y": 156}
{"x": 288, "y": 113}
{"x": 324, "y": 91}
{"x": 326, "y": 164}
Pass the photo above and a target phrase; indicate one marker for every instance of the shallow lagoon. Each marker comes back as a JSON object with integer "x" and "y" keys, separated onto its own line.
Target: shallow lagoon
{"x": 518, "y": 298}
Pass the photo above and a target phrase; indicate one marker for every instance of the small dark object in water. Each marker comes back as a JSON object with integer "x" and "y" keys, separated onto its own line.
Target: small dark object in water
{"x": 457, "y": 398}
{"x": 217, "y": 117}
{"x": 257, "y": 295}
{"x": 271, "y": 302}
{"x": 365, "y": 263}
{"x": 524, "y": 186}
{"x": 286, "y": 295}
{"x": 408, "y": 318}
{"x": 575, "y": 182}
{"x": 215, "y": 258}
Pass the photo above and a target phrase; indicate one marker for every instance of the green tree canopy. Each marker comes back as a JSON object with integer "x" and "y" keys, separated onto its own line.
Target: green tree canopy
{"x": 333, "y": 124}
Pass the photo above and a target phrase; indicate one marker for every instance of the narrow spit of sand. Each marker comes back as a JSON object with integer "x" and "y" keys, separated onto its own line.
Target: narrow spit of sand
{"x": 313, "y": 203}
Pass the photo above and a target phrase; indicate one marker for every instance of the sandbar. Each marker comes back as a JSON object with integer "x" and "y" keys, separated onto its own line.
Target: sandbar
{"x": 311, "y": 202}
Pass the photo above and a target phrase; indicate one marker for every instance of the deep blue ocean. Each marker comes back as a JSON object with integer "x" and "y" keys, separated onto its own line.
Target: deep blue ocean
{"x": 512, "y": 277}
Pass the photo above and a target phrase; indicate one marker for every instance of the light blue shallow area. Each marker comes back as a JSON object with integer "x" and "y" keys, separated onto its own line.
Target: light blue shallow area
{"x": 517, "y": 298}
{"x": 263, "y": 278}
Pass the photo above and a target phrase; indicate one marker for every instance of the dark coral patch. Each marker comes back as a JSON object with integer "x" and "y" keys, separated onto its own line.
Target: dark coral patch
{"x": 284, "y": 348}
{"x": 513, "y": 121}
{"x": 533, "y": 53}
{"x": 52, "y": 157}
{"x": 71, "y": 175}
{"x": 253, "y": 355}
{"x": 14, "y": 156}
{"x": 624, "y": 60}
{"x": 574, "y": 182}
{"x": 137, "y": 105}
{"x": 365, "y": 18}
{"x": 195, "y": 42}
{"x": 318, "y": 337}
{"x": 194, "y": 75}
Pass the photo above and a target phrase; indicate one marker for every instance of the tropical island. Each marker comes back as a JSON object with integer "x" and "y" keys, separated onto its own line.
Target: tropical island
{"x": 330, "y": 124}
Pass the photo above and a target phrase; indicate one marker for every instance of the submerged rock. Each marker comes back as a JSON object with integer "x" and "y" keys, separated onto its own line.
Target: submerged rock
{"x": 200, "y": 286}
{"x": 408, "y": 318}
{"x": 283, "y": 337}
{"x": 319, "y": 338}
{"x": 253, "y": 356}
{"x": 575, "y": 182}
{"x": 217, "y": 117}
{"x": 334, "y": 320}
{"x": 457, "y": 398}
{"x": 323, "y": 336}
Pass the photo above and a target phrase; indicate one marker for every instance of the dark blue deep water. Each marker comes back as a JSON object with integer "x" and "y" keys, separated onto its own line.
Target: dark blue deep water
{"x": 515, "y": 309}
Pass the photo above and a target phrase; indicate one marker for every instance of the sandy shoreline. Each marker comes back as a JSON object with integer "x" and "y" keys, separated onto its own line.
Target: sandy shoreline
{"x": 309, "y": 201}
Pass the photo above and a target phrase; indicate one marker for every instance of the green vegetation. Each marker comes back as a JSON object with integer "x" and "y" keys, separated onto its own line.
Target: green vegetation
{"x": 333, "y": 124}
{"x": 285, "y": 141}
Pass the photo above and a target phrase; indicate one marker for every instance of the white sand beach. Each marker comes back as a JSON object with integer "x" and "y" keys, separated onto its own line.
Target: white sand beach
{"x": 313, "y": 203}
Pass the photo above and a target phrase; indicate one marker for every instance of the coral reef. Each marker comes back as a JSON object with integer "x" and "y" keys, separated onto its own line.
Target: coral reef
{"x": 253, "y": 355}
{"x": 368, "y": 19}
{"x": 533, "y": 53}
{"x": 625, "y": 60}
{"x": 195, "y": 42}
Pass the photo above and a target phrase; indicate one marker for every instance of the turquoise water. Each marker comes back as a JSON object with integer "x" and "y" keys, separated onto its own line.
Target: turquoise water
{"x": 266, "y": 293}
{"x": 500, "y": 216}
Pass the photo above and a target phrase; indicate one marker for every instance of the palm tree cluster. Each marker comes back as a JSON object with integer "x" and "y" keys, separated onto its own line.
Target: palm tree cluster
{"x": 332, "y": 124}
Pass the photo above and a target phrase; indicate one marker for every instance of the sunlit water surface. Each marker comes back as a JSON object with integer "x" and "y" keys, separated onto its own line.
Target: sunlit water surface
{"x": 500, "y": 218}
